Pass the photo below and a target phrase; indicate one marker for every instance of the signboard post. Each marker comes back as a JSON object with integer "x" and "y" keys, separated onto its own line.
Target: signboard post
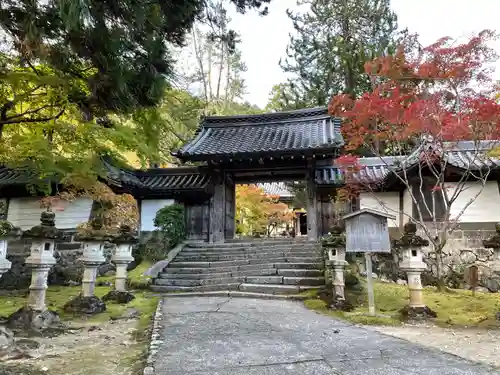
{"x": 367, "y": 232}
{"x": 369, "y": 281}
{"x": 473, "y": 278}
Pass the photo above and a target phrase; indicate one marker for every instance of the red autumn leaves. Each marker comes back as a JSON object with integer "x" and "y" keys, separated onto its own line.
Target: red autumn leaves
{"x": 444, "y": 91}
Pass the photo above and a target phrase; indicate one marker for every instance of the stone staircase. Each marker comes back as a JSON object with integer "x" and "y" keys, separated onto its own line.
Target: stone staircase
{"x": 278, "y": 266}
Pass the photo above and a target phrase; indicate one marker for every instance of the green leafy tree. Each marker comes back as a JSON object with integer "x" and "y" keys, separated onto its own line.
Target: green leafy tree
{"x": 284, "y": 97}
{"x": 333, "y": 41}
{"x": 166, "y": 127}
{"x": 113, "y": 56}
{"x": 72, "y": 73}
{"x": 170, "y": 221}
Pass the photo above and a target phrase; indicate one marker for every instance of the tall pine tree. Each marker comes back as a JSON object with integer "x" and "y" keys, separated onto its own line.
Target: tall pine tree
{"x": 333, "y": 41}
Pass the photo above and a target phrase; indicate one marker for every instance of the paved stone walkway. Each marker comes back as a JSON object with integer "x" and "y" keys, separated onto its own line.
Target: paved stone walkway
{"x": 236, "y": 336}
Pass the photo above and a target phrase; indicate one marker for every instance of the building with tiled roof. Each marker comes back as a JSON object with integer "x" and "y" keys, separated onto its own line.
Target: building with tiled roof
{"x": 296, "y": 145}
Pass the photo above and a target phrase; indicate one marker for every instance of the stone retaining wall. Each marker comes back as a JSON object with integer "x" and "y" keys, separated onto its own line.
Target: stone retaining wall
{"x": 463, "y": 248}
{"x": 66, "y": 271}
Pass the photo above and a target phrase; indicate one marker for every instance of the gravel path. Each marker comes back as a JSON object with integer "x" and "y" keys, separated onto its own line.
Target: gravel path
{"x": 234, "y": 336}
{"x": 476, "y": 345}
{"x": 105, "y": 348}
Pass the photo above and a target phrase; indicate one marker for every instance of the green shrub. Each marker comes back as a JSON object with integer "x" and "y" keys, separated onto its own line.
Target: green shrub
{"x": 170, "y": 221}
{"x": 155, "y": 247}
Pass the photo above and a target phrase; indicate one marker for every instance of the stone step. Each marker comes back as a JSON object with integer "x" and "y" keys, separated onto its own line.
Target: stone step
{"x": 230, "y": 263}
{"x": 294, "y": 259}
{"x": 300, "y": 266}
{"x": 241, "y": 262}
{"x": 202, "y": 288}
{"x": 211, "y": 270}
{"x": 218, "y": 257}
{"x": 193, "y": 276}
{"x": 300, "y": 273}
{"x": 201, "y": 282}
{"x": 234, "y": 293}
{"x": 231, "y": 252}
{"x": 252, "y": 248}
{"x": 310, "y": 281}
{"x": 264, "y": 279}
{"x": 273, "y": 289}
{"x": 246, "y": 244}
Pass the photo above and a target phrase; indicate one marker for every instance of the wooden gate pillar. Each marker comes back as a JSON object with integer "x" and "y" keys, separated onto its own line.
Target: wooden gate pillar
{"x": 312, "y": 202}
{"x": 230, "y": 208}
{"x": 217, "y": 211}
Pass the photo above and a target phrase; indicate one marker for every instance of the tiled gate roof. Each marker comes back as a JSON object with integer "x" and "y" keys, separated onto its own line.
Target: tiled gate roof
{"x": 272, "y": 134}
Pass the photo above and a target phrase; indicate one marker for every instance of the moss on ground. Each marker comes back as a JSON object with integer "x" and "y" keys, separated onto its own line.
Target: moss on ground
{"x": 135, "y": 280}
{"x": 144, "y": 303}
{"x": 454, "y": 308}
{"x": 57, "y": 296}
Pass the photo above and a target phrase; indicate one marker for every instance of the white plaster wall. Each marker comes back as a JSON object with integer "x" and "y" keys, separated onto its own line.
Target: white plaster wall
{"x": 485, "y": 208}
{"x": 25, "y": 212}
{"x": 149, "y": 208}
{"x": 385, "y": 201}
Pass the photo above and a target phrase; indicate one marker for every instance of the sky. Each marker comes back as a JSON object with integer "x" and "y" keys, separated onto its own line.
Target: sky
{"x": 264, "y": 39}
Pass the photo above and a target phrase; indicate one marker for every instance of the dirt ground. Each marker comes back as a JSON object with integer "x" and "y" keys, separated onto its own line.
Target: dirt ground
{"x": 473, "y": 344}
{"x": 111, "y": 348}
{"x": 90, "y": 349}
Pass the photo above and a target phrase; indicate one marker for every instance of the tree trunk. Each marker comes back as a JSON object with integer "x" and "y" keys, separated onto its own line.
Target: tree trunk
{"x": 199, "y": 57}
{"x": 440, "y": 276}
{"x": 221, "y": 69}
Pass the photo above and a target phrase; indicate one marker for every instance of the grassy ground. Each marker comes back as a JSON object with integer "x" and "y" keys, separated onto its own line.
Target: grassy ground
{"x": 144, "y": 303}
{"x": 455, "y": 308}
{"x": 57, "y": 296}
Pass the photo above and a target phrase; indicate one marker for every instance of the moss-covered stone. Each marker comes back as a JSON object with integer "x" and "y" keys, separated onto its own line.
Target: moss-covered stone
{"x": 31, "y": 321}
{"x": 417, "y": 313}
{"x": 494, "y": 241}
{"x": 118, "y": 297}
{"x": 90, "y": 305}
{"x": 46, "y": 229}
{"x": 8, "y": 230}
{"x": 410, "y": 238}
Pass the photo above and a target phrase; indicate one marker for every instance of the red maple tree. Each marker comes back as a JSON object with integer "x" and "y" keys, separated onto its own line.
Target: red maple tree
{"x": 420, "y": 108}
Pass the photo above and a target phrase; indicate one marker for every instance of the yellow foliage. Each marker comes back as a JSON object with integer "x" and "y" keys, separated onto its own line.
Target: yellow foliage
{"x": 257, "y": 212}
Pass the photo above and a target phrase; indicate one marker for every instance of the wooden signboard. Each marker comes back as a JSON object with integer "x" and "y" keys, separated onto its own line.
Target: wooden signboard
{"x": 367, "y": 232}
{"x": 472, "y": 278}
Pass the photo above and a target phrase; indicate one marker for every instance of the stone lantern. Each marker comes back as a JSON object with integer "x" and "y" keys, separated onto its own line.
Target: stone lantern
{"x": 334, "y": 255}
{"x": 122, "y": 256}
{"x": 92, "y": 241}
{"x": 41, "y": 259}
{"x": 8, "y": 232}
{"x": 334, "y": 245}
{"x": 410, "y": 245}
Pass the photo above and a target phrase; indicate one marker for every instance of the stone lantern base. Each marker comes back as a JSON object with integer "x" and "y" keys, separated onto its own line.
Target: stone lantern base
{"x": 89, "y": 305}
{"x": 118, "y": 296}
{"x": 417, "y": 313}
{"x": 333, "y": 301}
{"x": 31, "y": 321}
